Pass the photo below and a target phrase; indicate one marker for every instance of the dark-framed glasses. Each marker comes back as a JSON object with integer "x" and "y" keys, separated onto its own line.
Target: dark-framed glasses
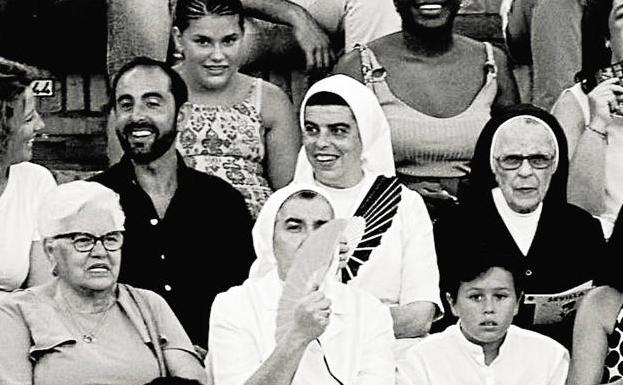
{"x": 513, "y": 162}
{"x": 85, "y": 242}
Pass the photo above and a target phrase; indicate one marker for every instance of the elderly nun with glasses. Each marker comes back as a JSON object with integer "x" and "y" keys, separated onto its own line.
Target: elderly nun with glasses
{"x": 516, "y": 205}
{"x": 83, "y": 327}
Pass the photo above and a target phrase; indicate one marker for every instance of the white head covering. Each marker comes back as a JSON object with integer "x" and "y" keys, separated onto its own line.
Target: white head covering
{"x": 523, "y": 118}
{"x": 66, "y": 201}
{"x": 377, "y": 157}
{"x": 264, "y": 228}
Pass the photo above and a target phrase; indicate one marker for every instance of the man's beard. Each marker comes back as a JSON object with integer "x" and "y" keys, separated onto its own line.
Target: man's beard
{"x": 146, "y": 154}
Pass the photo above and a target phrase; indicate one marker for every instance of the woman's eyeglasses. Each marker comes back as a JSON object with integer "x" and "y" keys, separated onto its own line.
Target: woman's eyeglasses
{"x": 85, "y": 242}
{"x": 513, "y": 162}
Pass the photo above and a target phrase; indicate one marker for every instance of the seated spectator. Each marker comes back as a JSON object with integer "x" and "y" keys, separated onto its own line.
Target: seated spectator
{"x": 484, "y": 292}
{"x": 150, "y": 21}
{"x": 83, "y": 327}
{"x": 237, "y": 123}
{"x": 284, "y": 36}
{"x": 435, "y": 118}
{"x": 338, "y": 334}
{"x": 594, "y": 132}
{"x": 347, "y": 154}
{"x": 596, "y": 355}
{"x": 517, "y": 205}
{"x": 178, "y": 220}
{"x": 22, "y": 184}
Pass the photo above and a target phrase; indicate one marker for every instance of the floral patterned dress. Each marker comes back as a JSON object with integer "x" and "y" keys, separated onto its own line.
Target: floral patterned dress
{"x": 227, "y": 141}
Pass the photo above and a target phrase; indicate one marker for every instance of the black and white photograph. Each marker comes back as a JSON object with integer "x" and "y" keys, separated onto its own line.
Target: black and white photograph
{"x": 311, "y": 192}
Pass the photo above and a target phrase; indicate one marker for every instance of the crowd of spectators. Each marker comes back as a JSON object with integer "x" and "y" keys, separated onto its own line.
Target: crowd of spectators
{"x": 421, "y": 221}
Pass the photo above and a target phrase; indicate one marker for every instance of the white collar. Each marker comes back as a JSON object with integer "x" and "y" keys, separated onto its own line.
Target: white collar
{"x": 476, "y": 351}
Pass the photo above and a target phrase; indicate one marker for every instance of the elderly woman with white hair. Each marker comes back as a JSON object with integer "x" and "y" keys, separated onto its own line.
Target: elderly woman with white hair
{"x": 517, "y": 206}
{"x": 83, "y": 327}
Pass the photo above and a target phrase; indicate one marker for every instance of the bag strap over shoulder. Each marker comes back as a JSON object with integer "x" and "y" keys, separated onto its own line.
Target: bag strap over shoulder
{"x": 150, "y": 323}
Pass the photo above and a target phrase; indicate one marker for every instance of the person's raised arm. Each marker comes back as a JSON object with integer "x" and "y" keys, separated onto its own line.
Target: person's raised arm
{"x": 313, "y": 41}
{"x": 587, "y": 144}
{"x": 233, "y": 346}
{"x": 282, "y": 138}
{"x": 590, "y": 336}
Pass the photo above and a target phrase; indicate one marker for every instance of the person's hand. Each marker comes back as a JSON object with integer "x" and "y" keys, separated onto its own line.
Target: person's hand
{"x": 603, "y": 102}
{"x": 313, "y": 41}
{"x": 311, "y": 315}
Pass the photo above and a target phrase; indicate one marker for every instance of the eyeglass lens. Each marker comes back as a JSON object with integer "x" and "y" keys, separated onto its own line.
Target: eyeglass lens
{"x": 538, "y": 161}
{"x": 86, "y": 242}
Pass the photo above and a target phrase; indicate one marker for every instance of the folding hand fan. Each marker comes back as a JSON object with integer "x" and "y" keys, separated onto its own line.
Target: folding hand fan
{"x": 377, "y": 209}
{"x": 310, "y": 267}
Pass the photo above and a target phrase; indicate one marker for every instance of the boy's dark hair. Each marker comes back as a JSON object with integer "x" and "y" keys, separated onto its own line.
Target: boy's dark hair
{"x": 478, "y": 260}
{"x": 177, "y": 85}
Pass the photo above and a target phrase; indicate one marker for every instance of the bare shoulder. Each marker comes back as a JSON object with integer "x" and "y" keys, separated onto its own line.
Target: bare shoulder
{"x": 272, "y": 93}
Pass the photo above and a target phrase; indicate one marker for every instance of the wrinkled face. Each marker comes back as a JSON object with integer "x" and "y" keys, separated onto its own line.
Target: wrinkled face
{"x": 212, "y": 47}
{"x": 417, "y": 14}
{"x": 295, "y": 221}
{"x": 96, "y": 270}
{"x": 525, "y": 187}
{"x": 486, "y": 306}
{"x": 24, "y": 124}
{"x": 332, "y": 144}
{"x": 145, "y": 116}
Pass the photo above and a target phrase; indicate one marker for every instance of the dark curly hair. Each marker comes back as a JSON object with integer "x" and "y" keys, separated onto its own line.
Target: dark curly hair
{"x": 14, "y": 78}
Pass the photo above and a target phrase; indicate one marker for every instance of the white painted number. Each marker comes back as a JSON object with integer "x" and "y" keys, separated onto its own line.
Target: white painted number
{"x": 43, "y": 87}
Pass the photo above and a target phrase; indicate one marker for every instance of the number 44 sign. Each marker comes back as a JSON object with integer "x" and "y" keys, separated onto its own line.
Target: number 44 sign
{"x": 43, "y": 87}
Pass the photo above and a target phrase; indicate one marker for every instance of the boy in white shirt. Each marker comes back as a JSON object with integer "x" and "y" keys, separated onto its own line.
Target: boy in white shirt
{"x": 483, "y": 347}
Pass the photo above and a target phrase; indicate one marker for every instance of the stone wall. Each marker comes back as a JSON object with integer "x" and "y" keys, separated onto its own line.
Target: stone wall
{"x": 73, "y": 143}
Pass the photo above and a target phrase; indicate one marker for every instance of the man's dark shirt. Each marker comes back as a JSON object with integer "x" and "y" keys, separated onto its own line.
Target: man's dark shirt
{"x": 201, "y": 247}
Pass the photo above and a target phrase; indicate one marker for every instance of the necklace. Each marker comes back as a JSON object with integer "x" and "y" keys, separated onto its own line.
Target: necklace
{"x": 89, "y": 335}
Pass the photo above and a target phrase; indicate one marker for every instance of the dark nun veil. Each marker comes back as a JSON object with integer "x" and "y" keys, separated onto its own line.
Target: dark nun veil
{"x": 482, "y": 180}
